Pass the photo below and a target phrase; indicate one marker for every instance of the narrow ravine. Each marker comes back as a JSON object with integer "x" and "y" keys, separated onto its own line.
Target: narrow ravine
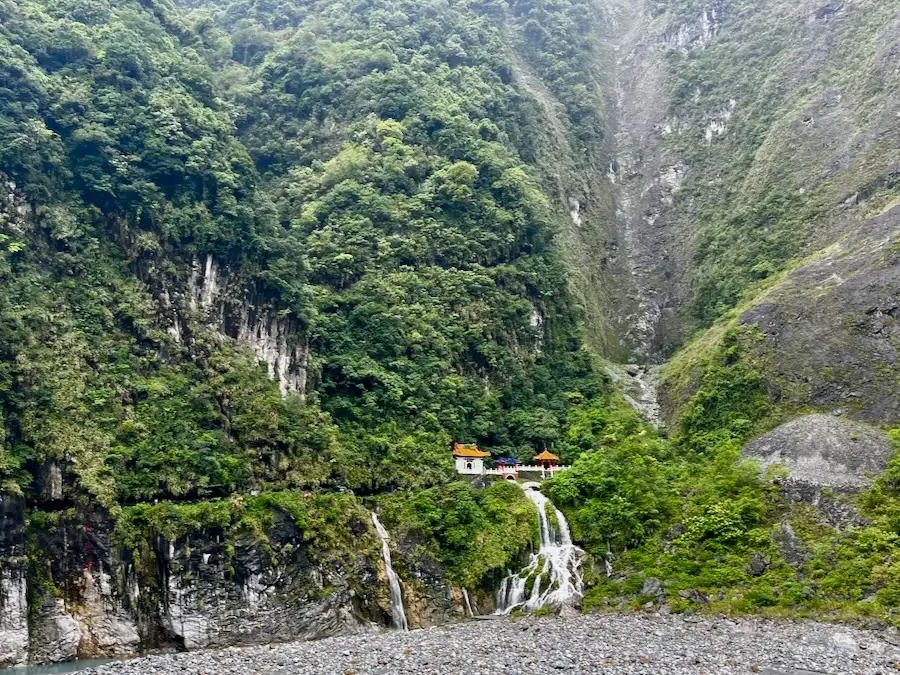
{"x": 398, "y": 612}
{"x": 553, "y": 576}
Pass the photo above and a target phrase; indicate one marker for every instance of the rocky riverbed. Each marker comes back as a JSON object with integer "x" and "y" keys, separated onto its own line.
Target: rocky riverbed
{"x": 596, "y": 643}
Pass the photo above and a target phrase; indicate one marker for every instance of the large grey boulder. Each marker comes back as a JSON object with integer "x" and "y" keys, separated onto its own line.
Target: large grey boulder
{"x": 824, "y": 451}
{"x": 827, "y": 458}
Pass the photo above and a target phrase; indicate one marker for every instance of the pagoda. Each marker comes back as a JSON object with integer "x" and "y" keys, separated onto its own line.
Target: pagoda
{"x": 469, "y": 459}
{"x": 547, "y": 460}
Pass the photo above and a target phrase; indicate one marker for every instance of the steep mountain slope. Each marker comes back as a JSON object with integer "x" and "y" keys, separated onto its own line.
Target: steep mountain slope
{"x": 236, "y": 271}
{"x": 768, "y": 134}
{"x": 737, "y": 137}
{"x": 261, "y": 261}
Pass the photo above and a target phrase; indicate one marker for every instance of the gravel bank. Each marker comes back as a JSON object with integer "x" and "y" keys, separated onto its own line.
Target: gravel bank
{"x": 596, "y": 643}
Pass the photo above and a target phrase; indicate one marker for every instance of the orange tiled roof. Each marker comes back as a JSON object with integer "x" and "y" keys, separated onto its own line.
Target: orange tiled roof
{"x": 461, "y": 450}
{"x": 546, "y": 457}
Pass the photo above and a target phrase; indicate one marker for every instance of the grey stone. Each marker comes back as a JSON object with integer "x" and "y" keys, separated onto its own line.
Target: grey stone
{"x": 56, "y": 634}
{"x": 13, "y": 589}
{"x": 694, "y": 595}
{"x": 614, "y": 643}
{"x": 824, "y": 451}
{"x": 844, "y": 643}
{"x": 652, "y": 587}
{"x": 791, "y": 547}
{"x": 758, "y": 565}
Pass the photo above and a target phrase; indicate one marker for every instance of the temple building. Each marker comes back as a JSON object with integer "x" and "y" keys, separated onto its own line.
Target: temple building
{"x": 469, "y": 459}
{"x": 508, "y": 467}
{"x": 547, "y": 460}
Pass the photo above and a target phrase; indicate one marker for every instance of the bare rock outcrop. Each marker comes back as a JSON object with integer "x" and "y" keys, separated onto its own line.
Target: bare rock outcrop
{"x": 824, "y": 451}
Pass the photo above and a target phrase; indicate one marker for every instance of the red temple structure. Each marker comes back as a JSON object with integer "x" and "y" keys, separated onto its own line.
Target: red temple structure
{"x": 547, "y": 460}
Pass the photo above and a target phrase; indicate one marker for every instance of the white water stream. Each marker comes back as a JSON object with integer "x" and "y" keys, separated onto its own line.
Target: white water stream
{"x": 555, "y": 569}
{"x": 468, "y": 602}
{"x": 398, "y": 613}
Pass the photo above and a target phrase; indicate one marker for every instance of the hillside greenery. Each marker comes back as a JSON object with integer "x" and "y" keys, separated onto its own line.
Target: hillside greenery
{"x": 352, "y": 173}
{"x": 684, "y": 508}
{"x": 475, "y": 535}
{"x": 365, "y": 172}
{"x": 768, "y": 189}
{"x": 360, "y": 177}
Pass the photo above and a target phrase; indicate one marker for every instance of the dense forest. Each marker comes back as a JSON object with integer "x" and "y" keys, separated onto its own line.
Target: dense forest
{"x": 262, "y": 257}
{"x": 377, "y": 208}
{"x": 275, "y": 248}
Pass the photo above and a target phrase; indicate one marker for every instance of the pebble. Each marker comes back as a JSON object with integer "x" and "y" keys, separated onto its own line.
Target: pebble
{"x": 628, "y": 644}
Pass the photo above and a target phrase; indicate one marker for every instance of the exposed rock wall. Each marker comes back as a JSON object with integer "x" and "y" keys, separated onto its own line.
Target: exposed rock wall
{"x": 13, "y": 586}
{"x": 829, "y": 331}
{"x": 711, "y": 107}
{"x": 643, "y": 174}
{"x": 215, "y": 596}
{"x": 82, "y": 596}
{"x": 825, "y": 459}
{"x": 824, "y": 451}
{"x": 832, "y": 327}
{"x": 213, "y": 298}
{"x": 14, "y": 209}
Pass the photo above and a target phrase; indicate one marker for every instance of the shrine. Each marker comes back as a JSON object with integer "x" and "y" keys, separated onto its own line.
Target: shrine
{"x": 469, "y": 459}
{"x": 508, "y": 467}
{"x": 547, "y": 460}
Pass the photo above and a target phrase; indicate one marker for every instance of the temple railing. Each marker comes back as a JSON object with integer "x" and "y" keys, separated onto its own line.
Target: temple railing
{"x": 525, "y": 468}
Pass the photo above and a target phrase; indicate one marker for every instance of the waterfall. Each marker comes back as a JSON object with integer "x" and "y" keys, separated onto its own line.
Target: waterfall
{"x": 468, "y": 602}
{"x": 555, "y": 570}
{"x": 398, "y": 613}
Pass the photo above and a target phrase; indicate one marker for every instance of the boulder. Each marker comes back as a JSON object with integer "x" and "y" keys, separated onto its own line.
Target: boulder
{"x": 758, "y": 565}
{"x": 695, "y": 596}
{"x": 653, "y": 588}
{"x": 822, "y": 451}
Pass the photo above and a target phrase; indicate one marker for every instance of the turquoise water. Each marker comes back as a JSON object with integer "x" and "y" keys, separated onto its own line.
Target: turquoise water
{"x": 70, "y": 667}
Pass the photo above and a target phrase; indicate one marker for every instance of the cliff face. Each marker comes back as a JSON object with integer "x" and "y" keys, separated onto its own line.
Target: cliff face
{"x": 739, "y": 137}
{"x": 301, "y": 246}
{"x": 782, "y": 121}
{"x": 73, "y": 586}
{"x": 741, "y": 140}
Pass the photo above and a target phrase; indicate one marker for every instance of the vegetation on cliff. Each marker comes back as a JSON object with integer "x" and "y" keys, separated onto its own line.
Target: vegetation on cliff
{"x": 350, "y": 174}
{"x": 352, "y": 191}
{"x": 475, "y": 535}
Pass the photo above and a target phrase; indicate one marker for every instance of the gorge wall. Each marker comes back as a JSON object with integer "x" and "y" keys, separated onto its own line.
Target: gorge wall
{"x": 75, "y": 586}
{"x": 738, "y": 138}
{"x": 261, "y": 263}
{"x": 747, "y": 158}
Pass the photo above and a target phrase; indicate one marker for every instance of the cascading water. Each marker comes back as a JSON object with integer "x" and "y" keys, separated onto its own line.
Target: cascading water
{"x": 468, "y": 602}
{"x": 554, "y": 571}
{"x": 398, "y": 613}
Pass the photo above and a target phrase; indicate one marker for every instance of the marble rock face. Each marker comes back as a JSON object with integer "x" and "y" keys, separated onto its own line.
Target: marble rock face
{"x": 824, "y": 451}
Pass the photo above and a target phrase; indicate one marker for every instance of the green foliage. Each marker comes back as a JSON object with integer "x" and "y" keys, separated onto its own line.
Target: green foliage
{"x": 722, "y": 517}
{"x": 557, "y": 39}
{"x": 755, "y": 194}
{"x": 345, "y": 171}
{"x": 475, "y": 535}
{"x": 328, "y": 521}
{"x": 730, "y": 398}
{"x": 617, "y": 492}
